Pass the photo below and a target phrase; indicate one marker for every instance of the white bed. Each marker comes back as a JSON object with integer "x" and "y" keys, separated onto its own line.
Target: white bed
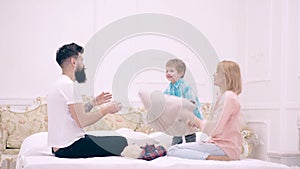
{"x": 35, "y": 154}
{"x": 50, "y": 162}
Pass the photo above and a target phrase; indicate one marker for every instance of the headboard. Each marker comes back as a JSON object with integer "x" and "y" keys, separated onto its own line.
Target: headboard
{"x": 16, "y": 125}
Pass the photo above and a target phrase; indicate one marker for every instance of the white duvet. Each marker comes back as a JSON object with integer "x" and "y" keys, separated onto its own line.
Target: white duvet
{"x": 34, "y": 154}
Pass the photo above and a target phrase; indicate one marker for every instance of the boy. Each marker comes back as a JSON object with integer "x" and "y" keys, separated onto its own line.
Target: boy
{"x": 175, "y": 70}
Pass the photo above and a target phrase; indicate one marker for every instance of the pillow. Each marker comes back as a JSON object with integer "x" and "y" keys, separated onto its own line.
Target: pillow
{"x": 35, "y": 144}
{"x": 103, "y": 133}
{"x": 132, "y": 151}
{"x": 169, "y": 114}
{"x": 134, "y": 137}
{"x": 163, "y": 139}
{"x": 200, "y": 136}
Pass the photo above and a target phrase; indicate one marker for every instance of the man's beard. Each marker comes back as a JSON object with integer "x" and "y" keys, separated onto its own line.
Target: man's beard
{"x": 80, "y": 75}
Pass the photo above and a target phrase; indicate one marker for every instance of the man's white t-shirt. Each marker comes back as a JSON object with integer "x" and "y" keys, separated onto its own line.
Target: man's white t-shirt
{"x": 62, "y": 128}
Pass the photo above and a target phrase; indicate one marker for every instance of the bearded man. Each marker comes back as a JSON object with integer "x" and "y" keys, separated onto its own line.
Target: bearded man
{"x": 68, "y": 115}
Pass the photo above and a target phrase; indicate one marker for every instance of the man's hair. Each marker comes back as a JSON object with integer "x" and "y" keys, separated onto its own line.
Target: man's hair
{"x": 178, "y": 64}
{"x": 232, "y": 76}
{"x": 66, "y": 51}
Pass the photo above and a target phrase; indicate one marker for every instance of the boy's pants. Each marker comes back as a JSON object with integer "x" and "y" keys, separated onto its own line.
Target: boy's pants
{"x": 188, "y": 138}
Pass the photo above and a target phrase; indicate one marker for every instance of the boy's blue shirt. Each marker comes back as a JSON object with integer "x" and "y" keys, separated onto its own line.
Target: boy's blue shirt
{"x": 182, "y": 89}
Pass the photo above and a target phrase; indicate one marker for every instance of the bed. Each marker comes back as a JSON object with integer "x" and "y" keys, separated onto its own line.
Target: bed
{"x": 38, "y": 162}
{"x": 24, "y": 143}
{"x": 35, "y": 154}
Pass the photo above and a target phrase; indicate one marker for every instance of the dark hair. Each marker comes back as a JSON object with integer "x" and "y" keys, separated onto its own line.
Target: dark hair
{"x": 68, "y": 50}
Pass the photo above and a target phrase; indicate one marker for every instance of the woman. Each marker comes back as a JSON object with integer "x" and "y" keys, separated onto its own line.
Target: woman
{"x": 223, "y": 126}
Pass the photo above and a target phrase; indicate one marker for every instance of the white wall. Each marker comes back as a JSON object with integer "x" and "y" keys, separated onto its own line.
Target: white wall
{"x": 270, "y": 46}
{"x": 31, "y": 32}
{"x": 29, "y": 45}
{"x": 261, "y": 35}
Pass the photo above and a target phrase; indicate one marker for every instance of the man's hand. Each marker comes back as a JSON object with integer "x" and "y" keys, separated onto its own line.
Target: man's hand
{"x": 104, "y": 97}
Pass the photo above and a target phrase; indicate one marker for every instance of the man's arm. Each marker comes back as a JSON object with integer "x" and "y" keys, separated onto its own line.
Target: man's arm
{"x": 84, "y": 119}
{"x": 88, "y": 106}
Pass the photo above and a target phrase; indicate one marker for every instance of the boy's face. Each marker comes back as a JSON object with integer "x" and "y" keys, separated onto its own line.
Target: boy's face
{"x": 172, "y": 74}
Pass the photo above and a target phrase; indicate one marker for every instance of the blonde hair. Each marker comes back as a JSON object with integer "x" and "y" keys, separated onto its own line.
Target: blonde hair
{"x": 178, "y": 64}
{"x": 232, "y": 76}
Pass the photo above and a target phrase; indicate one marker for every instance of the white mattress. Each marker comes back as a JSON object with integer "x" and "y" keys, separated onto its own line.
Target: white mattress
{"x": 51, "y": 162}
{"x": 34, "y": 154}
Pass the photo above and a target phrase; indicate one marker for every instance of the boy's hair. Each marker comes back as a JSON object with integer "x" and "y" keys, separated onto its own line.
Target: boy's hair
{"x": 178, "y": 64}
{"x": 66, "y": 51}
{"x": 232, "y": 76}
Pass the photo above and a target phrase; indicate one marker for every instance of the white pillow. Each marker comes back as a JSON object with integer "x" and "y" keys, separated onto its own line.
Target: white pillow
{"x": 131, "y": 136}
{"x": 35, "y": 145}
{"x": 134, "y": 137}
{"x": 103, "y": 133}
{"x": 200, "y": 136}
{"x": 162, "y": 139}
{"x": 169, "y": 114}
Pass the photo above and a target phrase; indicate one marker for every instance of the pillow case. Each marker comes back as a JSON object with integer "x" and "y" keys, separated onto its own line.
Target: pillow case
{"x": 169, "y": 114}
{"x": 35, "y": 145}
{"x": 162, "y": 139}
{"x": 134, "y": 137}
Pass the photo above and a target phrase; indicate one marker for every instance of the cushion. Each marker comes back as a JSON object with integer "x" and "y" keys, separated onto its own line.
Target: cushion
{"x": 162, "y": 139}
{"x": 138, "y": 138}
{"x": 35, "y": 144}
{"x": 170, "y": 114}
{"x": 132, "y": 151}
{"x": 133, "y": 137}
